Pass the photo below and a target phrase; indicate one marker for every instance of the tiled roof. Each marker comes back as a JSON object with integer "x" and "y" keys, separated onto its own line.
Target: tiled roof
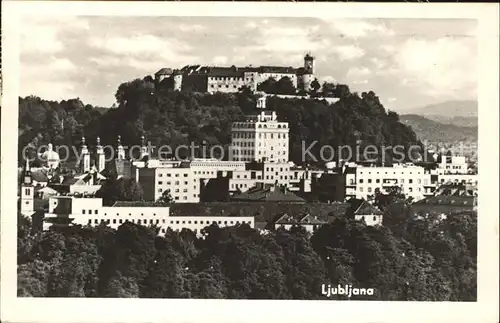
{"x": 268, "y": 194}
{"x": 448, "y": 200}
{"x": 362, "y": 207}
{"x": 136, "y": 204}
{"x": 164, "y": 71}
{"x": 39, "y": 176}
{"x": 309, "y": 219}
{"x": 277, "y": 69}
{"x": 302, "y": 219}
{"x": 286, "y": 219}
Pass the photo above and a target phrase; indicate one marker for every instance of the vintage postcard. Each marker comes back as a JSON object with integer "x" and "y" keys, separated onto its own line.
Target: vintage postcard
{"x": 249, "y": 162}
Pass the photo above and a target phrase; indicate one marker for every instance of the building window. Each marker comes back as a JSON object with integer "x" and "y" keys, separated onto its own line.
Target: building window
{"x": 83, "y": 211}
{"x": 160, "y": 183}
{"x": 95, "y": 212}
{"x": 361, "y": 181}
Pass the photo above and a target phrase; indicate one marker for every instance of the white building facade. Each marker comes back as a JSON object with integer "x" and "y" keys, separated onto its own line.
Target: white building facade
{"x": 91, "y": 212}
{"x": 260, "y": 138}
{"x": 414, "y": 181}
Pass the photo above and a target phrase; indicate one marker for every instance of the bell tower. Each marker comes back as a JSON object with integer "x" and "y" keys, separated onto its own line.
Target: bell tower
{"x": 27, "y": 206}
{"x": 85, "y": 157}
{"x": 100, "y": 156}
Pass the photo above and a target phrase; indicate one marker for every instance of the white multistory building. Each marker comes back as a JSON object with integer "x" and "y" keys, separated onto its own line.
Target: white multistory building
{"x": 260, "y": 138}
{"x": 414, "y": 181}
{"x": 452, "y": 165}
{"x": 90, "y": 211}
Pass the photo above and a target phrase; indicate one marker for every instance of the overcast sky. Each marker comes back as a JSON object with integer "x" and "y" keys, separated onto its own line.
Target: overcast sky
{"x": 408, "y": 63}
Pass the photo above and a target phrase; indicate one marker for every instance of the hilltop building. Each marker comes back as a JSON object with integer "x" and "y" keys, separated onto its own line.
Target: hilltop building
{"x": 230, "y": 79}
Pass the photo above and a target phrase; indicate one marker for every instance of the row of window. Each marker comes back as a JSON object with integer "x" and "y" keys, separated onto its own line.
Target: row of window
{"x": 228, "y": 78}
{"x": 221, "y": 85}
{"x": 170, "y": 175}
{"x": 177, "y": 198}
{"x": 252, "y": 125}
{"x": 402, "y": 181}
{"x": 393, "y": 173}
{"x": 90, "y": 212}
{"x": 251, "y": 144}
{"x": 151, "y": 221}
{"x": 370, "y": 190}
{"x": 251, "y": 135}
{"x": 410, "y": 181}
{"x": 175, "y": 183}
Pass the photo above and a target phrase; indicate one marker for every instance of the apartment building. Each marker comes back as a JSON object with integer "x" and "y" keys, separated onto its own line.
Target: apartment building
{"x": 181, "y": 182}
{"x": 414, "y": 181}
{"x": 260, "y": 138}
{"x": 452, "y": 165}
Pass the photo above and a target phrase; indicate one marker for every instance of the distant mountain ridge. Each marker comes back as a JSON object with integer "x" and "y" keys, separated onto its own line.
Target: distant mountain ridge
{"x": 458, "y": 113}
{"x": 430, "y": 130}
{"x": 465, "y": 108}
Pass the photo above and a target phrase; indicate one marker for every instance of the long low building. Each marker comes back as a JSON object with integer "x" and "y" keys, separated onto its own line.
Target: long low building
{"x": 66, "y": 210}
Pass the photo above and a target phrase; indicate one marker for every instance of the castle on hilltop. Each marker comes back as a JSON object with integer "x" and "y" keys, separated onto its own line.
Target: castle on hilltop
{"x": 230, "y": 79}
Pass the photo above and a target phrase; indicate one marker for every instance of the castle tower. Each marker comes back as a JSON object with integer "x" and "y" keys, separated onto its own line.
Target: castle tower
{"x": 121, "y": 152}
{"x": 309, "y": 64}
{"x": 85, "y": 157}
{"x": 101, "y": 160}
{"x": 308, "y": 75}
{"x": 27, "y": 207}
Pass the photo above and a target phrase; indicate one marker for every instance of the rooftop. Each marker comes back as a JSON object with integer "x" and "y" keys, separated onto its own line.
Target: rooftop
{"x": 448, "y": 200}
{"x": 268, "y": 193}
{"x": 137, "y": 204}
{"x": 362, "y": 207}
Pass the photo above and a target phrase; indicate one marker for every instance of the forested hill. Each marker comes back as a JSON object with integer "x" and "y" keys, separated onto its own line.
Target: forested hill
{"x": 179, "y": 118}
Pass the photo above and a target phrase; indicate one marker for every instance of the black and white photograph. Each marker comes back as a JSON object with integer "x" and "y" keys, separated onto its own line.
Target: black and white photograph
{"x": 249, "y": 157}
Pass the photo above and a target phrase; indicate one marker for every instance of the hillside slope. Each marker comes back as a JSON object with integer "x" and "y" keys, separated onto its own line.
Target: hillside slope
{"x": 431, "y": 130}
{"x": 179, "y": 119}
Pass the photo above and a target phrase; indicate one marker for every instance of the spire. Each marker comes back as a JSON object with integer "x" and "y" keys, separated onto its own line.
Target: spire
{"x": 101, "y": 162}
{"x": 85, "y": 156}
{"x": 144, "y": 149}
{"x": 27, "y": 173}
{"x": 121, "y": 151}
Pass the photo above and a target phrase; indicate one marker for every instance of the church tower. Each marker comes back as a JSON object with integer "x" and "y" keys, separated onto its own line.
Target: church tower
{"x": 100, "y": 156}
{"x": 27, "y": 207}
{"x": 85, "y": 157}
{"x": 121, "y": 152}
{"x": 144, "y": 148}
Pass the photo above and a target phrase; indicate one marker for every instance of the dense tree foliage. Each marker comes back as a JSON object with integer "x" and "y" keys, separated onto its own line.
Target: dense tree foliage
{"x": 173, "y": 118}
{"x": 123, "y": 189}
{"x": 428, "y": 259}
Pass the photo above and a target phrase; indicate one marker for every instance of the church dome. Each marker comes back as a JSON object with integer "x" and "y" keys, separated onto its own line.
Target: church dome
{"x": 50, "y": 157}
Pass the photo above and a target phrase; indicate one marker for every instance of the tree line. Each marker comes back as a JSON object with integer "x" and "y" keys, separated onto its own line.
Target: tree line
{"x": 166, "y": 117}
{"x": 422, "y": 259}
